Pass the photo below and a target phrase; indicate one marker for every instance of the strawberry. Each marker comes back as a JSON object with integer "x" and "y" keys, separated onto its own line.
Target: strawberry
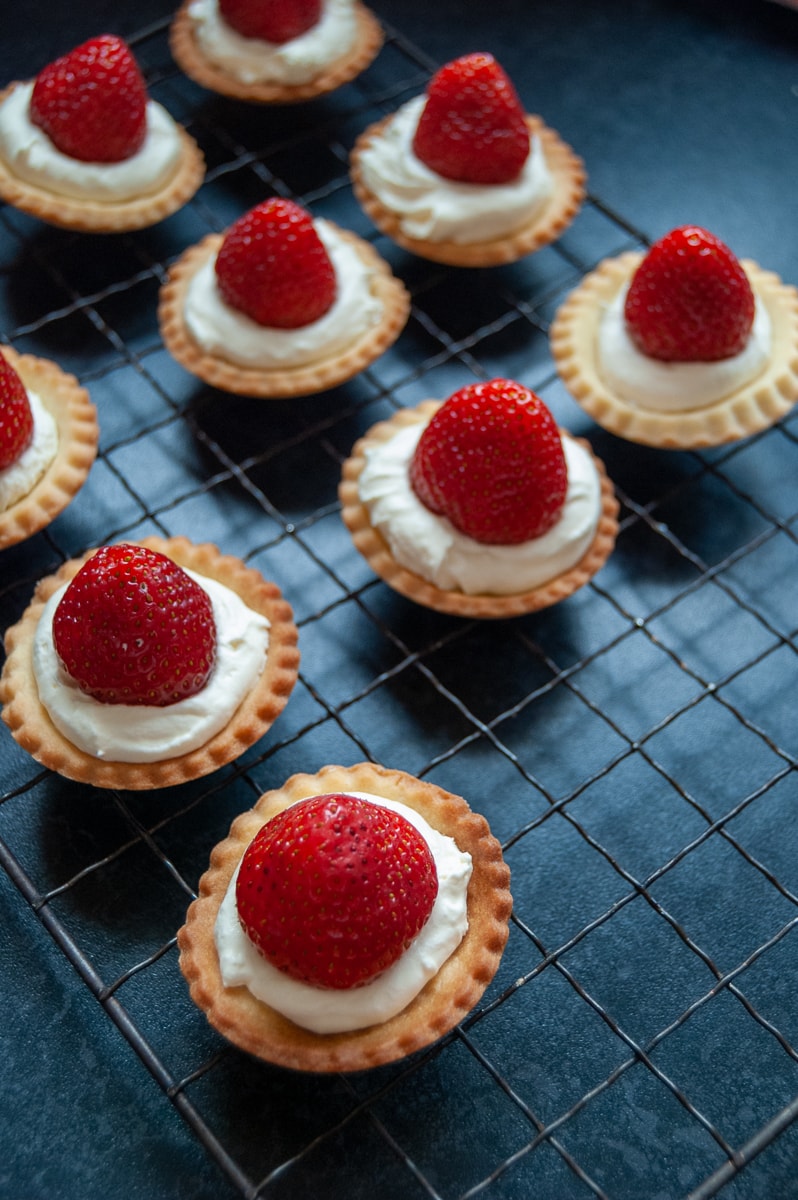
{"x": 332, "y": 890}
{"x": 16, "y": 419}
{"x": 91, "y": 102}
{"x": 491, "y": 460}
{"x": 275, "y": 21}
{"x": 472, "y": 127}
{"x": 273, "y": 267}
{"x": 689, "y": 300}
{"x": 133, "y": 628}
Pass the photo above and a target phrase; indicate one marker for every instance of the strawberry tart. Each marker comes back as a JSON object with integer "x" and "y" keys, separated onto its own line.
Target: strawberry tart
{"x": 395, "y": 943}
{"x": 280, "y": 305}
{"x": 48, "y": 442}
{"x": 479, "y": 506}
{"x": 274, "y": 51}
{"x": 682, "y": 347}
{"x": 143, "y": 665}
{"x": 462, "y": 175}
{"x": 83, "y": 147}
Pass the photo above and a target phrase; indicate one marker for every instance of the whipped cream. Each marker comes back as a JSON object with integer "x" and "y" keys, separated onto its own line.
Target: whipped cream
{"x": 224, "y": 331}
{"x": 32, "y": 156}
{"x": 675, "y": 386}
{"x": 329, "y": 1010}
{"x": 252, "y": 60}
{"x": 22, "y": 476}
{"x": 430, "y": 546}
{"x": 432, "y": 208}
{"x": 150, "y": 733}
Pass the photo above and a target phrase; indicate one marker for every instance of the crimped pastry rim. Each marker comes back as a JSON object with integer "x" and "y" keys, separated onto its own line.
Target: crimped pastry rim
{"x": 188, "y": 55}
{"x": 284, "y": 382}
{"x": 78, "y": 433}
{"x": 548, "y": 223}
{"x": 91, "y": 216}
{"x": 753, "y": 407}
{"x": 256, "y": 1028}
{"x": 33, "y": 730}
{"x": 372, "y": 545}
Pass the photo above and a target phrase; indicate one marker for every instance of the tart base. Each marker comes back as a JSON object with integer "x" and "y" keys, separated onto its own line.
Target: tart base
{"x": 753, "y": 407}
{"x": 546, "y": 224}
{"x": 374, "y": 548}
{"x": 282, "y": 382}
{"x": 446, "y": 999}
{"x": 32, "y": 728}
{"x": 188, "y": 55}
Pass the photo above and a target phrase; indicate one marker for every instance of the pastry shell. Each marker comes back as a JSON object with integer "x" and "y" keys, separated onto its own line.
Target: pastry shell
{"x": 749, "y": 409}
{"x": 280, "y": 382}
{"x": 93, "y": 216}
{"x": 78, "y": 433}
{"x": 374, "y": 548}
{"x": 546, "y": 224}
{"x": 188, "y": 55}
{"x": 32, "y": 728}
{"x": 255, "y": 1027}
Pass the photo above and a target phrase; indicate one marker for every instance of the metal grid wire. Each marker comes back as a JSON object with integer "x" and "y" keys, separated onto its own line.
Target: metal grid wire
{"x": 633, "y": 748}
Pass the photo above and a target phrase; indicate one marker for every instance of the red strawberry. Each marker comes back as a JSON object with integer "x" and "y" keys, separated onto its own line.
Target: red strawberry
{"x": 491, "y": 460}
{"x": 332, "y": 890}
{"x": 91, "y": 103}
{"x": 16, "y": 419}
{"x": 274, "y": 21}
{"x": 689, "y": 300}
{"x": 273, "y": 267}
{"x": 134, "y": 628}
{"x": 472, "y": 127}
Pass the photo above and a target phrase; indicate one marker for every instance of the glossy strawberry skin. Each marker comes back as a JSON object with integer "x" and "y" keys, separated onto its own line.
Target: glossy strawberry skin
{"x": 332, "y": 890}
{"x": 16, "y": 418}
{"x": 273, "y": 267}
{"x": 491, "y": 460}
{"x": 275, "y": 21}
{"x": 91, "y": 102}
{"x": 134, "y": 628}
{"x": 472, "y": 128}
{"x": 689, "y": 300}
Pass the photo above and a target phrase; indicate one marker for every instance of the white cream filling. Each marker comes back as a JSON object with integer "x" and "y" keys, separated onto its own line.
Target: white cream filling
{"x": 430, "y": 546}
{"x": 252, "y": 60}
{"x": 675, "y": 386}
{"x": 32, "y": 156}
{"x": 147, "y": 733}
{"x": 329, "y": 1010}
{"x": 434, "y": 209}
{"x": 224, "y": 331}
{"x": 22, "y": 476}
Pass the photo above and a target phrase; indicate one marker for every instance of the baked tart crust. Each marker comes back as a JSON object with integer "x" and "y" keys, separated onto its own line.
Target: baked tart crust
{"x": 446, "y": 999}
{"x": 547, "y": 223}
{"x": 188, "y": 55}
{"x": 32, "y": 728}
{"x": 92, "y": 216}
{"x": 282, "y": 382}
{"x": 374, "y": 548}
{"x": 78, "y": 432}
{"x": 749, "y": 409}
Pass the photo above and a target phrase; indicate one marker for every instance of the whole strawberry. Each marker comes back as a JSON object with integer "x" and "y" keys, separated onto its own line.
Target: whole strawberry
{"x": 472, "y": 127}
{"x": 273, "y": 267}
{"x": 491, "y": 460}
{"x": 133, "y": 628}
{"x": 16, "y": 419}
{"x": 689, "y": 300}
{"x": 274, "y": 21}
{"x": 91, "y": 102}
{"x": 332, "y": 890}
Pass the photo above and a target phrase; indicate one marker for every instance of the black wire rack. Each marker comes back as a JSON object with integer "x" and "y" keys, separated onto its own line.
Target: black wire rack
{"x": 633, "y": 748}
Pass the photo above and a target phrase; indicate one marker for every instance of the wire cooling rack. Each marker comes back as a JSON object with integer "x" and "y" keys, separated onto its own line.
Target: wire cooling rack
{"x": 633, "y": 748}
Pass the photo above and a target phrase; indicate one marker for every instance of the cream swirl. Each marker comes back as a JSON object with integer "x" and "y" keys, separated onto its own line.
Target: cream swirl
{"x": 19, "y": 479}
